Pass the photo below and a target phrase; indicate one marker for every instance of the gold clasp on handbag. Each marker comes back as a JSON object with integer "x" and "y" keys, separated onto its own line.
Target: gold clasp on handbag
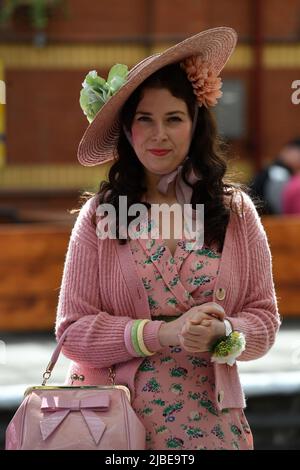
{"x": 77, "y": 377}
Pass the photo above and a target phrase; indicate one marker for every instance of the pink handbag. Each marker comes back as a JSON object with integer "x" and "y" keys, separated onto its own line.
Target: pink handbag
{"x": 75, "y": 417}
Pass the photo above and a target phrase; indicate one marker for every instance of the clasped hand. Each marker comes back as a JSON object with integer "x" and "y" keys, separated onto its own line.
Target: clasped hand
{"x": 197, "y": 329}
{"x": 201, "y": 330}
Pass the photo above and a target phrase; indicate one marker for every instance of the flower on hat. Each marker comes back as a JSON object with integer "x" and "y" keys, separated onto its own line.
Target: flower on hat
{"x": 205, "y": 83}
{"x": 97, "y": 91}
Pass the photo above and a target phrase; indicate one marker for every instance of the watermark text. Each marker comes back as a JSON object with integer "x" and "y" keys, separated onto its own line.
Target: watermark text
{"x": 188, "y": 223}
{"x": 295, "y": 97}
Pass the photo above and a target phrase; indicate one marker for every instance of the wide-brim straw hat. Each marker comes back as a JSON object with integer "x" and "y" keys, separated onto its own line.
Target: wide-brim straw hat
{"x": 99, "y": 142}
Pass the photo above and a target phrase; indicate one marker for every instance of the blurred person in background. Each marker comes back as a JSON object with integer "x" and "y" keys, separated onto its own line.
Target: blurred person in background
{"x": 269, "y": 183}
{"x": 291, "y": 190}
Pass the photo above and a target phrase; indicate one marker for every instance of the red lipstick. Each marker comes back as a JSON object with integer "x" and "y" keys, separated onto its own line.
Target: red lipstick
{"x": 159, "y": 152}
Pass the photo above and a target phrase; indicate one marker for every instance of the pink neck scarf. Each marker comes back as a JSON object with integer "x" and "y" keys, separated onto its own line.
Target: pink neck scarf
{"x": 182, "y": 190}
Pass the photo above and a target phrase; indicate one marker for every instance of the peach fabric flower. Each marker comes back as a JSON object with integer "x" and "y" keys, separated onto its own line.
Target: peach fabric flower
{"x": 205, "y": 83}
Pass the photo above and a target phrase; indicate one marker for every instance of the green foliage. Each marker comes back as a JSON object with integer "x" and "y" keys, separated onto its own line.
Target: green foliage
{"x": 96, "y": 91}
{"x": 38, "y": 11}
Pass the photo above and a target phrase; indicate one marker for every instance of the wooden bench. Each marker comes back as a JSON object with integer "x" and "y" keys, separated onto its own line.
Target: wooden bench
{"x": 284, "y": 238}
{"x": 31, "y": 266}
{"x": 32, "y": 258}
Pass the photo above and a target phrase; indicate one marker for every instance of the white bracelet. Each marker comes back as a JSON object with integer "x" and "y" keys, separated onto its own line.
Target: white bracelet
{"x": 228, "y": 327}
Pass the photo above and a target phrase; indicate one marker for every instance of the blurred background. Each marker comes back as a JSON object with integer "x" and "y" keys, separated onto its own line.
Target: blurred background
{"x": 46, "y": 49}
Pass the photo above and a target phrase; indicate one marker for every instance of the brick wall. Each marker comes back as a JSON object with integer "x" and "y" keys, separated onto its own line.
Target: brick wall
{"x": 96, "y": 20}
{"x": 44, "y": 120}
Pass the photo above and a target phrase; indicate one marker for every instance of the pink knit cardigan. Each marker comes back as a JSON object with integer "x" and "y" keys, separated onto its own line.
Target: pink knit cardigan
{"x": 101, "y": 291}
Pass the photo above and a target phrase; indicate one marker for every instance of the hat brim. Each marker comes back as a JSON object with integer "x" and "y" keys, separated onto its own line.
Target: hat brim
{"x": 99, "y": 142}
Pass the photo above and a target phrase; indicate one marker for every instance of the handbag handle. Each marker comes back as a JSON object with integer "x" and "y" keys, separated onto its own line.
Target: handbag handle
{"x": 55, "y": 356}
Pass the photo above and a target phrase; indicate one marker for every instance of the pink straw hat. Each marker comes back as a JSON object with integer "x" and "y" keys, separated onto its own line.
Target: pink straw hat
{"x": 99, "y": 142}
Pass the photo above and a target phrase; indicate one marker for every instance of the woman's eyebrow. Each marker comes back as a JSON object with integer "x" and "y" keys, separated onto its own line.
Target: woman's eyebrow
{"x": 176, "y": 112}
{"x": 170, "y": 112}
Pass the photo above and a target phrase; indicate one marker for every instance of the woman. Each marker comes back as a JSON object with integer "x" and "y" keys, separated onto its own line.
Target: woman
{"x": 171, "y": 316}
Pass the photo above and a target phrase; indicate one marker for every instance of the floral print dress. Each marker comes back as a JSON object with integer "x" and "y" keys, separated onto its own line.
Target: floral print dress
{"x": 174, "y": 388}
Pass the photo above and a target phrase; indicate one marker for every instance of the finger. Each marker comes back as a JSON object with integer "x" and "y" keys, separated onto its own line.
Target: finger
{"x": 181, "y": 341}
{"x": 206, "y": 322}
{"x": 214, "y": 305}
{"x": 190, "y": 342}
{"x": 197, "y": 329}
{"x": 204, "y": 316}
{"x": 193, "y": 349}
{"x": 199, "y": 317}
{"x": 191, "y": 327}
{"x": 218, "y": 312}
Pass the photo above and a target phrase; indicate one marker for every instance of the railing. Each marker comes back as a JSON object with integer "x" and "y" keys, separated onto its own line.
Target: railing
{"x": 32, "y": 257}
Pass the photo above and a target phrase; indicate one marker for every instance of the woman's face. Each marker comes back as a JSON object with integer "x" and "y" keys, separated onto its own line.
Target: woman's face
{"x": 161, "y": 123}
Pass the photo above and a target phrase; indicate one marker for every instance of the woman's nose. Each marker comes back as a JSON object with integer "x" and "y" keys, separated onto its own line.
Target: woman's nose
{"x": 159, "y": 131}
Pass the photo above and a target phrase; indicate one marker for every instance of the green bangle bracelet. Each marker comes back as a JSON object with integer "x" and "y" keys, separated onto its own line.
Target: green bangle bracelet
{"x": 134, "y": 339}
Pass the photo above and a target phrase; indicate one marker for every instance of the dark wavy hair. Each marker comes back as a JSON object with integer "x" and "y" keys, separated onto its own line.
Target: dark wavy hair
{"x": 207, "y": 156}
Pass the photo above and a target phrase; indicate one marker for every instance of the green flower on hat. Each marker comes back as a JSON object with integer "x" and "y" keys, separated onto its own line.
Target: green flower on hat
{"x": 96, "y": 91}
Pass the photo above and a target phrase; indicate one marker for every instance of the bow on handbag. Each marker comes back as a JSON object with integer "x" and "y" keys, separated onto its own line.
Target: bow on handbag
{"x": 57, "y": 408}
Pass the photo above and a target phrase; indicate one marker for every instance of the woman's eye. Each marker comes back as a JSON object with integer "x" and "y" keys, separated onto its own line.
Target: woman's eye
{"x": 174, "y": 118}
{"x": 143, "y": 118}
{"x": 170, "y": 119}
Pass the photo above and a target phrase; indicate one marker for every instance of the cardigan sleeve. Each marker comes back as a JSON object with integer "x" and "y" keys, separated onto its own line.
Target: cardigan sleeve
{"x": 259, "y": 319}
{"x": 96, "y": 338}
